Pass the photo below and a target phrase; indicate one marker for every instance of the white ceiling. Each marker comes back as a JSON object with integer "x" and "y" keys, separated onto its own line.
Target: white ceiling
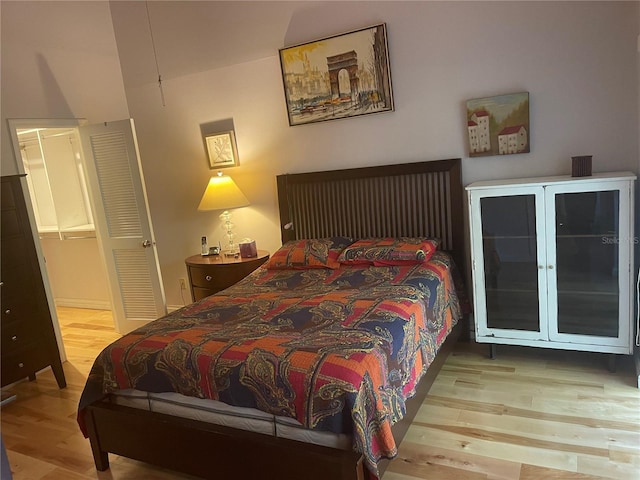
{"x": 196, "y": 36}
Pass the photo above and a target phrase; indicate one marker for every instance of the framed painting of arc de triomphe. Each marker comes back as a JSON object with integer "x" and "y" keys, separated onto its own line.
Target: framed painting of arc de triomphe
{"x": 342, "y": 76}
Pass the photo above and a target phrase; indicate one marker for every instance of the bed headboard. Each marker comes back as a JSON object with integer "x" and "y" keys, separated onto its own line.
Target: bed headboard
{"x": 404, "y": 200}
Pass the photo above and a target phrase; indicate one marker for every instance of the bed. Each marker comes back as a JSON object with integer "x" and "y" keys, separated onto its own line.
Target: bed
{"x": 337, "y": 396}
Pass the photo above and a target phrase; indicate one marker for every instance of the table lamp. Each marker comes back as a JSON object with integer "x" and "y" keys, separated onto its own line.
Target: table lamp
{"x": 222, "y": 193}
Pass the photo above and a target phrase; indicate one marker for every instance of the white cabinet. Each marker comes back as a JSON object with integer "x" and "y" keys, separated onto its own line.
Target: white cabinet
{"x": 552, "y": 262}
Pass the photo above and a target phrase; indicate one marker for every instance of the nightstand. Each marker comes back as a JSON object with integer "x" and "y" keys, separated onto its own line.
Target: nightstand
{"x": 212, "y": 273}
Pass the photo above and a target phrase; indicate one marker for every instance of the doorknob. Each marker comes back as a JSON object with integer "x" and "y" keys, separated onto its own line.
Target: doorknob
{"x": 147, "y": 243}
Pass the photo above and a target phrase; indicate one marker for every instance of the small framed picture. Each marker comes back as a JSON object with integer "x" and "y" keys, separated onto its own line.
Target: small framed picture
{"x": 222, "y": 151}
{"x": 499, "y": 125}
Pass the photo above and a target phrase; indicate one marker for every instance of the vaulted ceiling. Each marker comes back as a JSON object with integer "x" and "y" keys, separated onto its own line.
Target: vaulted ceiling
{"x": 185, "y": 37}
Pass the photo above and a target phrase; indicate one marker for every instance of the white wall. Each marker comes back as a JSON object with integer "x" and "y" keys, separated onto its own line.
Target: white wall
{"x": 60, "y": 61}
{"x": 76, "y": 272}
{"x": 577, "y": 60}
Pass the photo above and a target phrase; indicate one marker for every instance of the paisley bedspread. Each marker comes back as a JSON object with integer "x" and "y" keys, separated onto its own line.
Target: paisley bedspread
{"x": 338, "y": 350}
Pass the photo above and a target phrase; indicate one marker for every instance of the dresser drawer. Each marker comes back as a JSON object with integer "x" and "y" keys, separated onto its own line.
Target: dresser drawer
{"x": 24, "y": 362}
{"x": 7, "y": 195}
{"x": 205, "y": 277}
{"x": 18, "y": 301}
{"x": 16, "y": 336}
{"x": 20, "y": 310}
{"x": 209, "y": 275}
{"x": 222, "y": 276}
{"x": 200, "y": 293}
{"x": 15, "y": 253}
{"x": 10, "y": 223}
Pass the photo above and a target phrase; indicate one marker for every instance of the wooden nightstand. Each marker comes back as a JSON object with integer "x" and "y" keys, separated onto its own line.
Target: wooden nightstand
{"x": 210, "y": 274}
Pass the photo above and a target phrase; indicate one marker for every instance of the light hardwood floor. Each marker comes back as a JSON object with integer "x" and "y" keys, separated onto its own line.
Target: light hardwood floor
{"x": 529, "y": 414}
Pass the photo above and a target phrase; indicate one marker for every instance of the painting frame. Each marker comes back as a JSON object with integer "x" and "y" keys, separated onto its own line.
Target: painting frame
{"x": 341, "y": 76}
{"x": 221, "y": 150}
{"x": 499, "y": 125}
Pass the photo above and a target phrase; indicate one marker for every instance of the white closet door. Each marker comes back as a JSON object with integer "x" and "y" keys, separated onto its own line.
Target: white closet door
{"x": 122, "y": 219}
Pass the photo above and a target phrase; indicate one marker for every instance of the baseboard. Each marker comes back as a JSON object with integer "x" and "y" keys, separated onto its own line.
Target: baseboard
{"x": 82, "y": 303}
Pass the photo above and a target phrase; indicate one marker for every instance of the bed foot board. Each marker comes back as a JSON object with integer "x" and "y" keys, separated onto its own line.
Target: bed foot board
{"x": 211, "y": 451}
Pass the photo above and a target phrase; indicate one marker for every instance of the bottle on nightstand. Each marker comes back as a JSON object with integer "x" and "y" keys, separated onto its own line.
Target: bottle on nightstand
{"x": 205, "y": 247}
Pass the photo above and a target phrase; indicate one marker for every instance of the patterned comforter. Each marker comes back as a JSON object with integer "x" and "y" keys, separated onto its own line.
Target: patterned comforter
{"x": 338, "y": 350}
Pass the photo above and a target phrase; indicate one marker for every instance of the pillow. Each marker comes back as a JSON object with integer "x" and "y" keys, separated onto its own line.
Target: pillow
{"x": 310, "y": 253}
{"x": 389, "y": 251}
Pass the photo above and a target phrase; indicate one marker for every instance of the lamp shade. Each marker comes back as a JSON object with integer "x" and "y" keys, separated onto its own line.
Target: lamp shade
{"x": 222, "y": 193}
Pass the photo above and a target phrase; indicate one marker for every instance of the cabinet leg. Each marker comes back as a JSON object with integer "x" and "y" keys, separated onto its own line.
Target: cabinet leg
{"x": 492, "y": 351}
{"x": 612, "y": 362}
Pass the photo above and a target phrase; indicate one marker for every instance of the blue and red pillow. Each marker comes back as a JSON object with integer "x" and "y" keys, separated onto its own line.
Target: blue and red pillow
{"x": 309, "y": 253}
{"x": 389, "y": 251}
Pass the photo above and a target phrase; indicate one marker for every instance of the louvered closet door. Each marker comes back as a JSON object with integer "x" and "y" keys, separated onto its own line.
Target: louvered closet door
{"x": 123, "y": 223}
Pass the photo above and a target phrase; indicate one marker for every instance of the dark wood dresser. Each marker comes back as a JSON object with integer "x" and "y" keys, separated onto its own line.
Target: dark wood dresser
{"x": 28, "y": 338}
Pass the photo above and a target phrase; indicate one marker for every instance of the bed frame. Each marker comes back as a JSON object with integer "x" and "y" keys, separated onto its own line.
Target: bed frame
{"x": 415, "y": 199}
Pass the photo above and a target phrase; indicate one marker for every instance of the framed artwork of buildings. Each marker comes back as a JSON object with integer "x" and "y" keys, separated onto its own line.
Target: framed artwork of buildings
{"x": 499, "y": 125}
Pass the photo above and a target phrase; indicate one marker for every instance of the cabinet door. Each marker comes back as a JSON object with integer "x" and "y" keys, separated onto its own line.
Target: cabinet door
{"x": 588, "y": 252}
{"x": 508, "y": 262}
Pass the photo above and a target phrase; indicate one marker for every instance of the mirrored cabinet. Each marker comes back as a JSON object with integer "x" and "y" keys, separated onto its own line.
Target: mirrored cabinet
{"x": 552, "y": 262}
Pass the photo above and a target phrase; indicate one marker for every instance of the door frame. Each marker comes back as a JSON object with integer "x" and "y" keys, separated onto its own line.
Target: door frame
{"x": 77, "y": 124}
{"x": 14, "y": 126}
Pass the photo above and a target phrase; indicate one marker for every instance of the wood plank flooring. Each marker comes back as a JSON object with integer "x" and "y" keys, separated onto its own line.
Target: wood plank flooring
{"x": 528, "y": 415}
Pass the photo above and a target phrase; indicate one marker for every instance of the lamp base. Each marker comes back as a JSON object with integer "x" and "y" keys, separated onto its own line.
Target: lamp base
{"x": 232, "y": 248}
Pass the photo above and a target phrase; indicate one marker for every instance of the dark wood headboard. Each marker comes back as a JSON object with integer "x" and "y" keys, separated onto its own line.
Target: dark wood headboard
{"x": 404, "y": 200}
